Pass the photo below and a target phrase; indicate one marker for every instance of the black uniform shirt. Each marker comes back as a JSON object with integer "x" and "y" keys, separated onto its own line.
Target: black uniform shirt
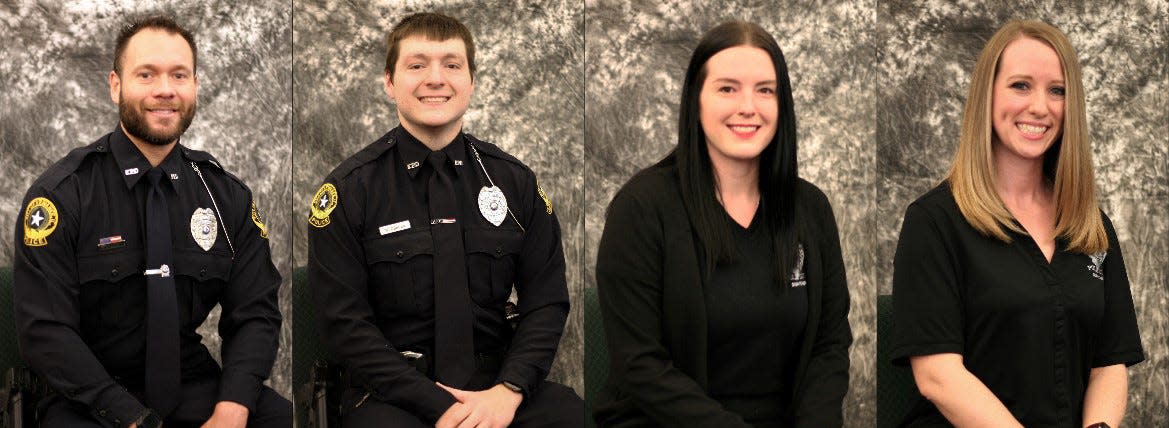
{"x": 1029, "y": 330}
{"x": 371, "y": 265}
{"x": 754, "y": 327}
{"x": 80, "y": 290}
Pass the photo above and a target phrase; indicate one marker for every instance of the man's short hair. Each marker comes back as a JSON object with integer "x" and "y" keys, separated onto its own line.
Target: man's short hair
{"x": 432, "y": 26}
{"x": 159, "y": 22}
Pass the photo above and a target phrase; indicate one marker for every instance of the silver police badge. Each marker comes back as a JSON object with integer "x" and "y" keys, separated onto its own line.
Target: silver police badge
{"x": 204, "y": 227}
{"x": 492, "y": 204}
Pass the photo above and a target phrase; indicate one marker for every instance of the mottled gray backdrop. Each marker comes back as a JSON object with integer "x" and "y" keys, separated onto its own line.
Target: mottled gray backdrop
{"x": 529, "y": 99}
{"x": 927, "y": 51}
{"x": 637, "y": 54}
{"x": 54, "y": 96}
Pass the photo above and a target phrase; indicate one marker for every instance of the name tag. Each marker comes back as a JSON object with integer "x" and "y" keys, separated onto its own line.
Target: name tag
{"x": 396, "y": 227}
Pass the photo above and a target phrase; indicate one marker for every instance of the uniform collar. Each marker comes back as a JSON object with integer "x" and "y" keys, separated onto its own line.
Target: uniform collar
{"x": 132, "y": 164}
{"x": 414, "y": 153}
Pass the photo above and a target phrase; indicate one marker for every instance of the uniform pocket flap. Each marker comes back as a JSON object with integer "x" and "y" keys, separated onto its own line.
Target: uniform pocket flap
{"x": 110, "y": 267}
{"x": 496, "y": 242}
{"x": 398, "y": 248}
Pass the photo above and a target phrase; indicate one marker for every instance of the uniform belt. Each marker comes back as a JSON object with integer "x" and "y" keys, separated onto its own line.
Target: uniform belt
{"x": 484, "y": 361}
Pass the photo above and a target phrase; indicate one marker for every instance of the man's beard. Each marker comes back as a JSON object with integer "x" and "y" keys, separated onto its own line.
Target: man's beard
{"x": 135, "y": 123}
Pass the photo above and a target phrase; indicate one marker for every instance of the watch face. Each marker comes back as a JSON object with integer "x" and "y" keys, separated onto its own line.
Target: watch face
{"x": 513, "y": 387}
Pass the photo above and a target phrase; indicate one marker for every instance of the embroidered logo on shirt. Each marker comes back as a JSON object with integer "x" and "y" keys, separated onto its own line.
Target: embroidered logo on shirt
{"x": 324, "y": 201}
{"x": 40, "y": 220}
{"x": 799, "y": 278}
{"x": 1097, "y": 266}
{"x": 547, "y": 202}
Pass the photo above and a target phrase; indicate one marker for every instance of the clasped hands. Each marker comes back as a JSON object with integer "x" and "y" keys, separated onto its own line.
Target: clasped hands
{"x": 490, "y": 408}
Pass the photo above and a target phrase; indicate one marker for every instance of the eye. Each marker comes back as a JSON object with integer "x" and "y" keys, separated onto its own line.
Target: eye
{"x": 1058, "y": 91}
{"x": 454, "y": 66}
{"x": 767, "y": 90}
{"x": 181, "y": 76}
{"x": 725, "y": 89}
{"x": 1022, "y": 86}
{"x": 143, "y": 74}
{"x": 415, "y": 66}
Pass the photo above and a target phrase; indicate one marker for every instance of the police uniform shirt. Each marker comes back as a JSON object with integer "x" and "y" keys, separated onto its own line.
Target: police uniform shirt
{"x": 371, "y": 265}
{"x": 1030, "y": 330}
{"x": 80, "y": 288}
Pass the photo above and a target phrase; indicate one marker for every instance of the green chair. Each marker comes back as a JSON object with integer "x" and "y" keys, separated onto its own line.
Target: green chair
{"x": 313, "y": 373}
{"x": 596, "y": 359}
{"x": 896, "y": 391}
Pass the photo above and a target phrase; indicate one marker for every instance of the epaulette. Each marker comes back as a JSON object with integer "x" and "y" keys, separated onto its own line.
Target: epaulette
{"x": 492, "y": 150}
{"x": 205, "y": 159}
{"x": 366, "y": 155}
{"x": 67, "y": 165}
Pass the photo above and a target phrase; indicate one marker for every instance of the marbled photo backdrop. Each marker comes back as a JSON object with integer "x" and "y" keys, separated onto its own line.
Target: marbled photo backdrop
{"x": 54, "y": 96}
{"x": 927, "y": 52}
{"x": 529, "y": 100}
{"x": 637, "y": 55}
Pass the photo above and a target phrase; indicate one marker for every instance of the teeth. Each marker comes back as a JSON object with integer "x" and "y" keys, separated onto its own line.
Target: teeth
{"x": 744, "y": 128}
{"x": 1031, "y": 129}
{"x": 433, "y": 99}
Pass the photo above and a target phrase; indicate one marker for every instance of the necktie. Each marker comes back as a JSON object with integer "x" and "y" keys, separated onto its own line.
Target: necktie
{"x": 162, "y": 322}
{"x": 453, "y": 334}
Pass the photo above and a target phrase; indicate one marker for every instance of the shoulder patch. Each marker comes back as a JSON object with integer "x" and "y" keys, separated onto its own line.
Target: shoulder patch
{"x": 258, "y": 221}
{"x": 324, "y": 201}
{"x": 547, "y": 202}
{"x": 40, "y": 220}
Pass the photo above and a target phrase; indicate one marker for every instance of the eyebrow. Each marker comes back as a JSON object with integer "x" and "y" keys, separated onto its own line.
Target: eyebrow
{"x": 729, "y": 80}
{"x": 1028, "y": 77}
{"x": 447, "y": 55}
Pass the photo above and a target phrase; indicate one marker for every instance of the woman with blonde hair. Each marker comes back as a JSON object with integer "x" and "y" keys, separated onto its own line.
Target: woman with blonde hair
{"x": 1011, "y": 300}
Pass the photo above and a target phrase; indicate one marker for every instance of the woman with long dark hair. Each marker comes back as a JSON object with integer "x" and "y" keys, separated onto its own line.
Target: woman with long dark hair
{"x": 1011, "y": 302}
{"x": 720, "y": 274}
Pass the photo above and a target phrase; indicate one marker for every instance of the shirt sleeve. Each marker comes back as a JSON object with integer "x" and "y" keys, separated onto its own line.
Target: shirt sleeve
{"x": 826, "y": 379}
{"x": 927, "y": 303}
{"x": 48, "y": 318}
{"x": 1120, "y": 340}
{"x": 339, "y": 281}
{"x": 629, "y": 284}
{"x": 543, "y": 293}
{"x": 250, "y": 321}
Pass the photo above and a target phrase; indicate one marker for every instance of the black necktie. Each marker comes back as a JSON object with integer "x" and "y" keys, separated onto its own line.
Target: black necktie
{"x": 453, "y": 334}
{"x": 162, "y": 322}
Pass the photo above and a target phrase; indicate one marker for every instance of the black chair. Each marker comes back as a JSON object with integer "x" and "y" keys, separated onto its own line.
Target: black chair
{"x": 896, "y": 391}
{"x": 596, "y": 359}
{"x": 22, "y": 389}
{"x": 314, "y": 375}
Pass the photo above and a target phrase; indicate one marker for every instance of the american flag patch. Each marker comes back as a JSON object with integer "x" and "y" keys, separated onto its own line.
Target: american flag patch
{"x": 110, "y": 242}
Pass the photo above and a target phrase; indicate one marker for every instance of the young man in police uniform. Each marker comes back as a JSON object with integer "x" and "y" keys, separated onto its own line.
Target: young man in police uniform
{"x": 124, "y": 247}
{"x": 415, "y": 243}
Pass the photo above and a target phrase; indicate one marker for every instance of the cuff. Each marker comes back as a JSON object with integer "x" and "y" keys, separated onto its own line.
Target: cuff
{"x": 116, "y": 406}
{"x": 239, "y": 387}
{"x": 519, "y": 374}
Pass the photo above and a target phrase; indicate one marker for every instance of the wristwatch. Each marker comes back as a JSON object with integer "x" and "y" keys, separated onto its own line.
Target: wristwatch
{"x": 516, "y": 389}
{"x": 150, "y": 420}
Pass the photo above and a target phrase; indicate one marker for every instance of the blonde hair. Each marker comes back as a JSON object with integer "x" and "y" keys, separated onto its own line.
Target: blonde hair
{"x": 1068, "y": 163}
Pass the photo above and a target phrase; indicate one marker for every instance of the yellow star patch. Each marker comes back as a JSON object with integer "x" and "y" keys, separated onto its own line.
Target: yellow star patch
{"x": 40, "y": 220}
{"x": 258, "y": 221}
{"x": 324, "y": 201}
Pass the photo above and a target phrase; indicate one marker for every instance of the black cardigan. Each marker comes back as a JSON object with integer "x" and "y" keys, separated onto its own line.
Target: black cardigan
{"x": 653, "y": 304}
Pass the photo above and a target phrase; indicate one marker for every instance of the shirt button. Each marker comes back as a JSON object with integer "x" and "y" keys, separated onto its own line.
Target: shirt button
{"x": 101, "y": 412}
{"x": 203, "y": 272}
{"x": 498, "y": 250}
{"x": 401, "y": 253}
{"x": 114, "y": 272}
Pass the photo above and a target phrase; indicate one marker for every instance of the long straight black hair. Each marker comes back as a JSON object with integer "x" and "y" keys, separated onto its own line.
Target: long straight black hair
{"x": 777, "y": 166}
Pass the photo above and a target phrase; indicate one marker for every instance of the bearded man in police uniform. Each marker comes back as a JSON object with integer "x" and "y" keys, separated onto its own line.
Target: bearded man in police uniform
{"x": 415, "y": 243}
{"x": 124, "y": 247}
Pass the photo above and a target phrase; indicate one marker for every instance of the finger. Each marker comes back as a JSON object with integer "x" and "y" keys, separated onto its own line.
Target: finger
{"x": 472, "y": 420}
{"x": 453, "y": 416}
{"x": 458, "y": 393}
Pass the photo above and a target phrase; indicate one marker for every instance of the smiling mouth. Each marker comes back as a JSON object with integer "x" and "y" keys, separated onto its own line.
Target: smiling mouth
{"x": 433, "y": 100}
{"x": 1031, "y": 130}
{"x": 163, "y": 111}
{"x": 744, "y": 130}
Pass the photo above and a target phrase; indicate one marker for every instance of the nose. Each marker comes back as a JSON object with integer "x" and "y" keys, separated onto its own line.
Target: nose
{"x": 434, "y": 76}
{"x": 165, "y": 88}
{"x": 747, "y": 105}
{"x": 1038, "y": 105}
